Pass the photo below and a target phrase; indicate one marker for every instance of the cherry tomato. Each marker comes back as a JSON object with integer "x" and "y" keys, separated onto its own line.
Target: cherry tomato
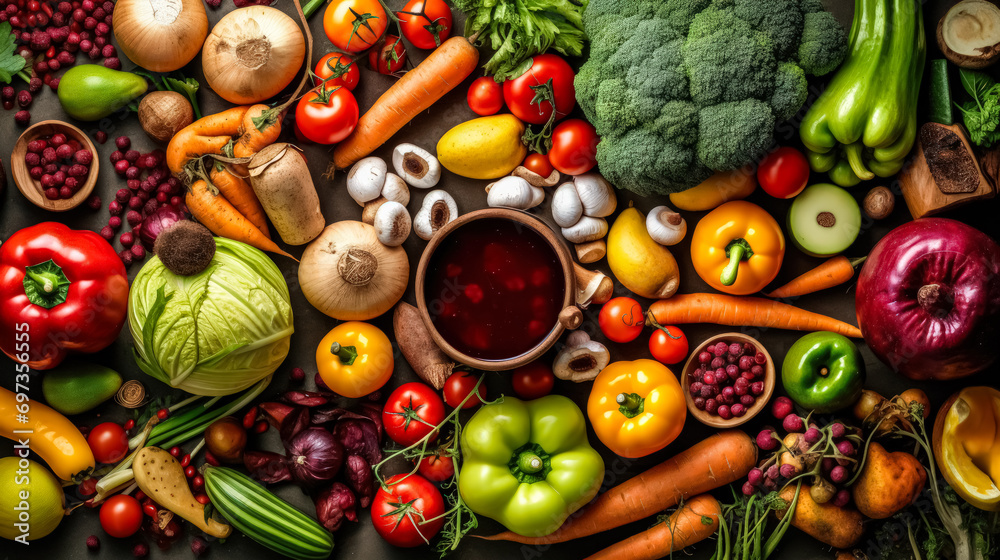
{"x": 327, "y": 116}
{"x": 438, "y": 468}
{"x": 783, "y": 173}
{"x": 574, "y": 147}
{"x": 401, "y": 506}
{"x": 533, "y": 380}
{"x": 425, "y": 24}
{"x": 121, "y": 516}
{"x": 411, "y": 412}
{"x": 109, "y": 442}
{"x": 539, "y": 163}
{"x": 668, "y": 345}
{"x": 485, "y": 96}
{"x": 354, "y": 25}
{"x": 521, "y": 93}
{"x": 459, "y": 385}
{"x": 621, "y": 319}
{"x": 338, "y": 70}
{"x": 388, "y": 57}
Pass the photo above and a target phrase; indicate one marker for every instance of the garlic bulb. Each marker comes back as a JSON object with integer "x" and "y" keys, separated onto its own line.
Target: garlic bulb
{"x": 437, "y": 211}
{"x": 596, "y": 194}
{"x": 513, "y": 192}
{"x": 395, "y": 189}
{"x": 567, "y": 208}
{"x": 665, "y": 226}
{"x": 160, "y": 35}
{"x": 587, "y": 229}
{"x": 252, "y": 54}
{"x": 392, "y": 224}
{"x": 366, "y": 179}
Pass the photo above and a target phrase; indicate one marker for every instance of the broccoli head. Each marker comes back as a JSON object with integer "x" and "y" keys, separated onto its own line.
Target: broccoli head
{"x": 678, "y": 89}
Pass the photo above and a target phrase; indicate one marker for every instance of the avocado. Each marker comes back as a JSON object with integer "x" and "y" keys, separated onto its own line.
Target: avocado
{"x": 77, "y": 387}
{"x": 90, "y": 92}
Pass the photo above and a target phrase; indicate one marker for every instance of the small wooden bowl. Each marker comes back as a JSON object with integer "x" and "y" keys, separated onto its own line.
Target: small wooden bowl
{"x": 32, "y": 189}
{"x": 692, "y": 364}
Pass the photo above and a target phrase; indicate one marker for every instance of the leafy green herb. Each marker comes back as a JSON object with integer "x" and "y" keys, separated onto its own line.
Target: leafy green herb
{"x": 11, "y": 63}
{"x": 520, "y": 29}
{"x": 982, "y": 114}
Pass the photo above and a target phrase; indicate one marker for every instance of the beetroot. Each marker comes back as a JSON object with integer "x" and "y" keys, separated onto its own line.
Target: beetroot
{"x": 335, "y": 504}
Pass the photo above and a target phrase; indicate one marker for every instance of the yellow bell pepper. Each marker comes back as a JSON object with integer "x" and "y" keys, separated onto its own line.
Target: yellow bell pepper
{"x": 355, "y": 359}
{"x": 738, "y": 248}
{"x": 967, "y": 445}
{"x": 636, "y": 408}
{"x": 48, "y": 434}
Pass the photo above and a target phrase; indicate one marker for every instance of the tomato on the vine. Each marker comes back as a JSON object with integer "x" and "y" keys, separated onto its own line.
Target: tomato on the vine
{"x": 388, "y": 56}
{"x": 338, "y": 70}
{"x": 783, "y": 173}
{"x": 539, "y": 163}
{"x": 528, "y": 95}
{"x": 354, "y": 25}
{"x": 621, "y": 319}
{"x": 412, "y": 411}
{"x": 121, "y": 516}
{"x": 459, "y": 385}
{"x": 327, "y": 116}
{"x": 532, "y": 381}
{"x": 668, "y": 345}
{"x": 425, "y": 24}
{"x": 408, "y": 510}
{"x": 438, "y": 468}
{"x": 574, "y": 147}
{"x": 109, "y": 442}
{"x": 485, "y": 96}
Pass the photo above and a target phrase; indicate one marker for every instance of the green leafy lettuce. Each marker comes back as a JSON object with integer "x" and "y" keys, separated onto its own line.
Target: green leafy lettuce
{"x": 10, "y": 62}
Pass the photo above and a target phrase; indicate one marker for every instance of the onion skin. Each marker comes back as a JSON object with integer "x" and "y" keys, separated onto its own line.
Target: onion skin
{"x": 163, "y": 114}
{"x": 158, "y": 36}
{"x": 314, "y": 456}
{"x": 157, "y": 222}
{"x": 928, "y": 299}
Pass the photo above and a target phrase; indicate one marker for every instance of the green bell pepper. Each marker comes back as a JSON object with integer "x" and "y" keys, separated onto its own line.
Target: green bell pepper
{"x": 865, "y": 122}
{"x": 824, "y": 372}
{"x": 528, "y": 464}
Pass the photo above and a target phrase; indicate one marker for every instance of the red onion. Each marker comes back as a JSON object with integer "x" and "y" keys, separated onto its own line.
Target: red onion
{"x": 335, "y": 504}
{"x": 157, "y": 222}
{"x": 266, "y": 466}
{"x": 315, "y": 456}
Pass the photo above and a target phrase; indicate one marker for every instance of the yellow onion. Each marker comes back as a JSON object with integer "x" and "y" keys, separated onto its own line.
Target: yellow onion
{"x": 252, "y": 54}
{"x": 160, "y": 35}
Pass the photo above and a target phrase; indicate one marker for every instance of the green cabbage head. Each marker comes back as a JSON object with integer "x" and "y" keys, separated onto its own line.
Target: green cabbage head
{"x": 214, "y": 333}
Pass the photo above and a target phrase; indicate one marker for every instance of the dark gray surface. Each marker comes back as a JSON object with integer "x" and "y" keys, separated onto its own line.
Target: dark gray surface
{"x": 359, "y": 540}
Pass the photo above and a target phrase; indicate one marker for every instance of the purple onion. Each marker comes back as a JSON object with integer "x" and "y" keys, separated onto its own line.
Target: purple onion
{"x": 359, "y": 476}
{"x": 157, "y": 222}
{"x": 314, "y": 456}
{"x": 359, "y": 437}
{"x": 266, "y": 466}
{"x": 335, "y": 504}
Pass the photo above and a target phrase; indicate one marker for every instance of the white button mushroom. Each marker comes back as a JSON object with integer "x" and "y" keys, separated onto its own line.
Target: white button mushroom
{"x": 596, "y": 194}
{"x": 395, "y": 189}
{"x": 365, "y": 179}
{"x": 587, "y": 229}
{"x": 513, "y": 192}
{"x": 581, "y": 359}
{"x": 567, "y": 209}
{"x": 392, "y": 224}
{"x": 416, "y": 166}
{"x": 665, "y": 226}
{"x": 437, "y": 211}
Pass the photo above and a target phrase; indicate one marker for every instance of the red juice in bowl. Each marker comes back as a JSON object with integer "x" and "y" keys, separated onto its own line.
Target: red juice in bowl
{"x": 494, "y": 289}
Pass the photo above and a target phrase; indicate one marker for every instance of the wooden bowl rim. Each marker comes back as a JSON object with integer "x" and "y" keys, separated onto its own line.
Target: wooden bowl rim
{"x": 33, "y": 189}
{"x": 770, "y": 379}
{"x": 526, "y": 219}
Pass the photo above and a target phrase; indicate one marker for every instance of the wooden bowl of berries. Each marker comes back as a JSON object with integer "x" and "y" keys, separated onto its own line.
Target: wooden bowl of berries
{"x": 54, "y": 165}
{"x": 728, "y": 380}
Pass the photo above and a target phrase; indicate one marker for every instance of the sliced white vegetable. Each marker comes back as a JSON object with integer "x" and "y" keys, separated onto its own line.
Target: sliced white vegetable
{"x": 365, "y": 179}
{"x": 416, "y": 166}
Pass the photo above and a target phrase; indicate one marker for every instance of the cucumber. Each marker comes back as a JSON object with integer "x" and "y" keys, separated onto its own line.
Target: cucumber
{"x": 939, "y": 97}
{"x": 264, "y": 517}
{"x": 77, "y": 387}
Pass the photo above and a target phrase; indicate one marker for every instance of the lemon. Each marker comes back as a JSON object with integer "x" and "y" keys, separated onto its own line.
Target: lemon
{"x": 32, "y": 495}
{"x": 639, "y": 263}
{"x": 483, "y": 148}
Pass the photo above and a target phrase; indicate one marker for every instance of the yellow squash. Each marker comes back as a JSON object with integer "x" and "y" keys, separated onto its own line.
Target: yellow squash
{"x": 49, "y": 435}
{"x": 483, "y": 148}
{"x": 720, "y": 188}
{"x": 967, "y": 445}
{"x": 642, "y": 265}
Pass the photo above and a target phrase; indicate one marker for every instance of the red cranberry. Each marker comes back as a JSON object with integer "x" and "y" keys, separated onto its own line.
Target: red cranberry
{"x": 760, "y": 358}
{"x": 175, "y": 201}
{"x": 36, "y": 172}
{"x": 711, "y": 406}
{"x": 724, "y": 412}
{"x": 107, "y": 233}
{"x": 709, "y": 391}
{"x": 73, "y": 183}
{"x": 132, "y": 155}
{"x": 699, "y": 403}
{"x": 93, "y": 543}
{"x": 115, "y": 208}
{"x": 116, "y": 156}
{"x": 704, "y": 357}
{"x": 113, "y": 63}
{"x": 64, "y": 151}
{"x": 748, "y": 400}
{"x": 133, "y": 217}
{"x": 126, "y": 239}
{"x": 132, "y": 172}
{"x": 121, "y": 167}
{"x": 123, "y": 195}
{"x": 140, "y": 550}
{"x": 24, "y": 98}
{"x": 695, "y": 387}
{"x": 738, "y": 410}
{"x": 65, "y": 192}
{"x": 123, "y": 143}
{"x": 108, "y": 51}
{"x": 842, "y": 498}
{"x": 717, "y": 362}
{"x": 94, "y": 202}
{"x": 101, "y": 136}
{"x": 77, "y": 170}
{"x": 115, "y": 222}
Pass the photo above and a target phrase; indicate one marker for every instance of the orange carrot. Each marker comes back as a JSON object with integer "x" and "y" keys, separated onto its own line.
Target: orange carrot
{"x": 222, "y": 219}
{"x": 744, "y": 311}
{"x": 240, "y": 194}
{"x": 260, "y": 127}
{"x": 696, "y": 520}
{"x": 720, "y": 459}
{"x": 207, "y": 135}
{"x": 412, "y": 94}
{"x": 833, "y": 272}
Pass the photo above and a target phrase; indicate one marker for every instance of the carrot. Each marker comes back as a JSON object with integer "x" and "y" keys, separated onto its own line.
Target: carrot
{"x": 259, "y": 128}
{"x": 720, "y": 459}
{"x": 412, "y": 94}
{"x": 744, "y": 311}
{"x": 240, "y": 194}
{"x": 696, "y": 520}
{"x": 207, "y": 135}
{"x": 833, "y": 272}
{"x": 222, "y": 219}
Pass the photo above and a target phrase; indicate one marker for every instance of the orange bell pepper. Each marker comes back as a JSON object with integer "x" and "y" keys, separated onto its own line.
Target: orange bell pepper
{"x": 636, "y": 408}
{"x": 738, "y": 248}
{"x": 967, "y": 445}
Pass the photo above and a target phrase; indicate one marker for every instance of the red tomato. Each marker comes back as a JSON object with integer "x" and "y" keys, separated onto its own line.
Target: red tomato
{"x": 401, "y": 505}
{"x": 533, "y": 380}
{"x": 412, "y": 411}
{"x": 121, "y": 516}
{"x": 621, "y": 319}
{"x": 539, "y": 163}
{"x": 327, "y": 116}
{"x": 338, "y": 70}
{"x": 783, "y": 173}
{"x": 354, "y": 25}
{"x": 485, "y": 96}
{"x": 109, "y": 442}
{"x": 521, "y": 92}
{"x": 438, "y": 468}
{"x": 574, "y": 147}
{"x": 668, "y": 345}
{"x": 388, "y": 57}
{"x": 425, "y": 24}
{"x": 459, "y": 385}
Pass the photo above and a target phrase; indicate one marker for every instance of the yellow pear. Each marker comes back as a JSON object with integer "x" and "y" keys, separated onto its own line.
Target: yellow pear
{"x": 639, "y": 263}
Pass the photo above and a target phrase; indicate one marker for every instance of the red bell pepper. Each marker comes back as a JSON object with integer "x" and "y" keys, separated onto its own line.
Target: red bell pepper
{"x": 60, "y": 291}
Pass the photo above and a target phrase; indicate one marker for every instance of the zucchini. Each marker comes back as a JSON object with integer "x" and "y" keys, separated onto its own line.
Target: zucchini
{"x": 939, "y": 94}
{"x": 264, "y": 517}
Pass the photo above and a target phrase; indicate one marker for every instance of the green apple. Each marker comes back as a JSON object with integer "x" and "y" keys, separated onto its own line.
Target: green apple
{"x": 824, "y": 220}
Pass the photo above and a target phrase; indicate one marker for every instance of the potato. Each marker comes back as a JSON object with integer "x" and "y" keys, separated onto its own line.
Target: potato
{"x": 827, "y": 523}
{"x": 161, "y": 478}
{"x": 280, "y": 178}
{"x": 888, "y": 483}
